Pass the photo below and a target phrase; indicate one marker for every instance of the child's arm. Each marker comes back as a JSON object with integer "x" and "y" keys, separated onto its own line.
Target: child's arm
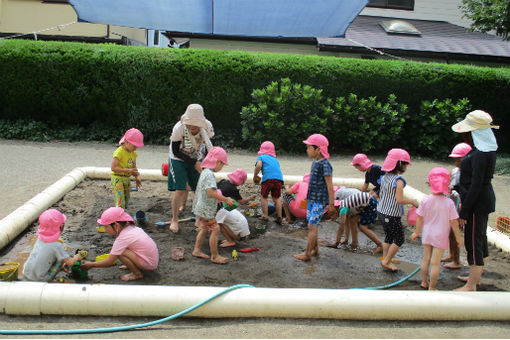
{"x": 137, "y": 176}
{"x": 256, "y": 178}
{"x": 70, "y": 261}
{"x": 419, "y": 224}
{"x": 211, "y": 192}
{"x": 248, "y": 199}
{"x": 116, "y": 168}
{"x": 101, "y": 264}
{"x": 364, "y": 187}
{"x": 455, "y": 227}
{"x": 331, "y": 193}
{"x": 400, "y": 195}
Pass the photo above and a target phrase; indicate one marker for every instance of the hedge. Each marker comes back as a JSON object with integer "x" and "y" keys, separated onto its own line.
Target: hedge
{"x": 79, "y": 83}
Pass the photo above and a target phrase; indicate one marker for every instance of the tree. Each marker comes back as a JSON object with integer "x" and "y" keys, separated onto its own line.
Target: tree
{"x": 488, "y": 15}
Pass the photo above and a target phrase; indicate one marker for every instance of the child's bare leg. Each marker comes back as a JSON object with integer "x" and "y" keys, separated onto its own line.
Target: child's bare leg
{"x": 425, "y": 263}
{"x": 435, "y": 263}
{"x": 197, "y": 251}
{"x": 176, "y": 204}
{"x": 386, "y": 261}
{"x": 132, "y": 263}
{"x": 454, "y": 256}
{"x": 278, "y": 207}
{"x": 264, "y": 206}
{"x": 213, "y": 245}
{"x": 353, "y": 226}
{"x": 339, "y": 233}
{"x": 185, "y": 198}
{"x": 230, "y": 238}
{"x": 286, "y": 209}
{"x": 372, "y": 236}
{"x": 312, "y": 241}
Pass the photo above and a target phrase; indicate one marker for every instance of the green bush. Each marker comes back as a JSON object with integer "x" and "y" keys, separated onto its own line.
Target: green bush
{"x": 78, "y": 83}
{"x": 285, "y": 113}
{"x": 430, "y": 132}
{"x": 365, "y": 125}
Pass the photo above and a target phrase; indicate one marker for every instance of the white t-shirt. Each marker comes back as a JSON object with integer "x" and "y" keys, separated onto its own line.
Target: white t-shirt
{"x": 235, "y": 220}
{"x": 42, "y": 258}
{"x": 178, "y": 133}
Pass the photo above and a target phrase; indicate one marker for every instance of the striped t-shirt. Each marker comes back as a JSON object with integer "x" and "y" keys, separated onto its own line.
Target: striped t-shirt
{"x": 388, "y": 196}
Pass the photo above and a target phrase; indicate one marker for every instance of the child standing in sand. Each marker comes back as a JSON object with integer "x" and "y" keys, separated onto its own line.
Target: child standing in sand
{"x": 320, "y": 191}
{"x": 124, "y": 166}
{"x": 436, "y": 214}
{"x": 48, "y": 256}
{"x": 459, "y": 151}
{"x": 132, "y": 245}
{"x": 272, "y": 180}
{"x": 391, "y": 204}
{"x": 205, "y": 204}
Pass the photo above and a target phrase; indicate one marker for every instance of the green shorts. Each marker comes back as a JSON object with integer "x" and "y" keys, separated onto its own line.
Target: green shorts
{"x": 181, "y": 173}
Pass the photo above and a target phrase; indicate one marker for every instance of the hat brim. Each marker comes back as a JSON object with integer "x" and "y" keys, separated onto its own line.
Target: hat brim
{"x": 463, "y": 126}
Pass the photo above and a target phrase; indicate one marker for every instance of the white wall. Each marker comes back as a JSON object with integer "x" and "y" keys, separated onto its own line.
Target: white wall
{"x": 441, "y": 10}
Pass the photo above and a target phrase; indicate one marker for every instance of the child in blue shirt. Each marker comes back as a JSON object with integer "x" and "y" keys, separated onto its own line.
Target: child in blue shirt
{"x": 320, "y": 191}
{"x": 272, "y": 180}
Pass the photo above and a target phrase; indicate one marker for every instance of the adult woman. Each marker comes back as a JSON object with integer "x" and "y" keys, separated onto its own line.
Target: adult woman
{"x": 189, "y": 137}
{"x": 476, "y": 193}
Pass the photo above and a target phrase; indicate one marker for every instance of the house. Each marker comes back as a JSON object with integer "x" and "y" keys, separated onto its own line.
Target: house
{"x": 436, "y": 31}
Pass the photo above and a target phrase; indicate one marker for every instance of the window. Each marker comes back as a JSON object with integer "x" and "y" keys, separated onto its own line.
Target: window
{"x": 393, "y": 4}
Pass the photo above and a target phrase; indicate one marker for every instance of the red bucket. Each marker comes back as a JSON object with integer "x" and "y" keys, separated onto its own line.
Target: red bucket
{"x": 412, "y": 216}
{"x": 164, "y": 169}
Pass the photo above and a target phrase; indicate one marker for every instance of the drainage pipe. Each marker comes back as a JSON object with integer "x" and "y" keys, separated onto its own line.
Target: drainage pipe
{"x": 35, "y": 298}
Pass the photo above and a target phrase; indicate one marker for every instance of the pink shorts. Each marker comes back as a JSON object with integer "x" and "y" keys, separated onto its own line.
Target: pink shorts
{"x": 208, "y": 224}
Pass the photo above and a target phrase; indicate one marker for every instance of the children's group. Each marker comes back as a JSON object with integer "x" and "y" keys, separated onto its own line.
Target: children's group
{"x": 463, "y": 197}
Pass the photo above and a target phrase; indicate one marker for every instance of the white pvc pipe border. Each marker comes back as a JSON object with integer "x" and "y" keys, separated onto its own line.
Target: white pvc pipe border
{"x": 35, "y": 298}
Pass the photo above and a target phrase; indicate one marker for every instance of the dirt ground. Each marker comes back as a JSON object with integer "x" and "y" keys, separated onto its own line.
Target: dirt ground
{"x": 271, "y": 266}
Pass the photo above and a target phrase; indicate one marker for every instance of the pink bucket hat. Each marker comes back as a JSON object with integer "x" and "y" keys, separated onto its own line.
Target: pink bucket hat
{"x": 49, "y": 225}
{"x": 215, "y": 154}
{"x": 362, "y": 160}
{"x": 133, "y": 136}
{"x": 439, "y": 180}
{"x": 238, "y": 177}
{"x": 114, "y": 214}
{"x": 320, "y": 141}
{"x": 460, "y": 150}
{"x": 395, "y": 155}
{"x": 267, "y": 148}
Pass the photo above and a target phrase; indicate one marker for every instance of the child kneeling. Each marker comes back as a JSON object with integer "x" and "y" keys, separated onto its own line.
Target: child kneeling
{"x": 48, "y": 256}
{"x": 137, "y": 251}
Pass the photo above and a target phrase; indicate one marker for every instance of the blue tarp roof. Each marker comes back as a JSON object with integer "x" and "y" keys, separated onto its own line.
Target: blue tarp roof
{"x": 253, "y": 18}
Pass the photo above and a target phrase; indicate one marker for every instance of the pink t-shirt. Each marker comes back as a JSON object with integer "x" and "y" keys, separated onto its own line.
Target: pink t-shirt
{"x": 300, "y": 189}
{"x": 437, "y": 212}
{"x": 136, "y": 240}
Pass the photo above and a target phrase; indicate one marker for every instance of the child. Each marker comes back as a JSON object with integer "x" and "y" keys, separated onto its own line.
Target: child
{"x": 363, "y": 207}
{"x": 390, "y": 208}
{"x": 272, "y": 180}
{"x": 124, "y": 166}
{"x": 204, "y": 206}
{"x": 459, "y": 151}
{"x": 48, "y": 255}
{"x": 373, "y": 172}
{"x": 229, "y": 186}
{"x": 435, "y": 214}
{"x": 320, "y": 191}
{"x": 292, "y": 198}
{"x": 233, "y": 225}
{"x": 132, "y": 245}
{"x": 348, "y": 220}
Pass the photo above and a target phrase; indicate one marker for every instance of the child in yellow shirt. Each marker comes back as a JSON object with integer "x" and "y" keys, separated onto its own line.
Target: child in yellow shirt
{"x": 124, "y": 166}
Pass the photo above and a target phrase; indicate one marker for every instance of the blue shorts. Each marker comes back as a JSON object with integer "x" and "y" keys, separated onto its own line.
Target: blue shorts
{"x": 314, "y": 212}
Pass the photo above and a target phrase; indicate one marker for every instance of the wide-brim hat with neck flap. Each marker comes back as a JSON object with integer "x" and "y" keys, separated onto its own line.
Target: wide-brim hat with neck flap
{"x": 475, "y": 120}
{"x": 194, "y": 115}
